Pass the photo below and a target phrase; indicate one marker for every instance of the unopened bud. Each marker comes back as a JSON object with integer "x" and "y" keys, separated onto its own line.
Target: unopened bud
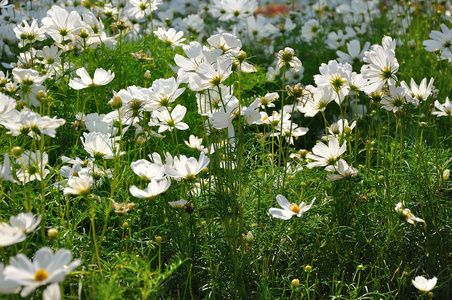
{"x": 430, "y": 295}
{"x": 307, "y": 268}
{"x": 41, "y": 96}
{"x": 147, "y": 75}
{"x": 446, "y": 174}
{"x": 249, "y": 237}
{"x": 52, "y": 234}
{"x": 241, "y": 56}
{"x": 116, "y": 102}
{"x": 125, "y": 225}
{"x": 158, "y": 239}
{"x": 16, "y": 151}
{"x": 295, "y": 283}
{"x": 381, "y": 178}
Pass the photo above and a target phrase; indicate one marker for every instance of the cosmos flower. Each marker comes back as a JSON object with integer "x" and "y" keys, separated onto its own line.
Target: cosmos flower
{"x": 323, "y": 155}
{"x": 440, "y": 40}
{"x": 6, "y": 171}
{"x": 443, "y": 110}
{"x": 343, "y": 171}
{"x": 355, "y": 53}
{"x": 79, "y": 185}
{"x": 170, "y": 36}
{"x": 289, "y": 209}
{"x": 46, "y": 268}
{"x": 153, "y": 189}
{"x": 101, "y": 77}
{"x": 287, "y": 57}
{"x": 187, "y": 168}
{"x": 423, "y": 284}
{"x": 406, "y": 214}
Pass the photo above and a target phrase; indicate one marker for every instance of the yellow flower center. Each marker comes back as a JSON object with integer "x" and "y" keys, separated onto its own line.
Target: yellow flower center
{"x": 41, "y": 275}
{"x": 295, "y": 208}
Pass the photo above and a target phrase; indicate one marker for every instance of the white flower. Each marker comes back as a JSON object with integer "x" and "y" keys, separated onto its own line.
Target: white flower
{"x": 78, "y": 186}
{"x": 6, "y": 171}
{"x": 343, "y": 170}
{"x": 7, "y": 286}
{"x": 24, "y": 222}
{"x": 195, "y": 143}
{"x": 10, "y": 236}
{"x": 287, "y": 57}
{"x": 443, "y": 110}
{"x": 406, "y": 214}
{"x": 187, "y": 168}
{"x": 153, "y": 189}
{"x": 99, "y": 145}
{"x": 178, "y": 204}
{"x": 424, "y": 285}
{"x": 289, "y": 209}
{"x": 170, "y": 121}
{"x": 101, "y": 77}
{"x": 170, "y": 36}
{"x": 32, "y": 166}
{"x": 323, "y": 155}
{"x": 46, "y": 268}
{"x": 52, "y": 292}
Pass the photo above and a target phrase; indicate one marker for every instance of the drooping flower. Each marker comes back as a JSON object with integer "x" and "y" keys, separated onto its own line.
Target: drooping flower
{"x": 46, "y": 268}
{"x": 287, "y": 57}
{"x": 289, "y": 209}
{"x": 423, "y": 284}
{"x": 406, "y": 214}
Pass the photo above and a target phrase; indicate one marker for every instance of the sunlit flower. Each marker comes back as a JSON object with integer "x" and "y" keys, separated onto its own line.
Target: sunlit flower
{"x": 187, "y": 168}
{"x": 170, "y": 120}
{"x": 100, "y": 146}
{"x": 6, "y": 171}
{"x": 46, "y": 268}
{"x": 24, "y": 222}
{"x": 195, "y": 143}
{"x": 419, "y": 93}
{"x": 122, "y": 208}
{"x": 443, "y": 110}
{"x": 9, "y": 235}
{"x": 153, "y": 189}
{"x": 170, "y": 36}
{"x": 32, "y": 166}
{"x": 441, "y": 40}
{"x": 7, "y": 286}
{"x": 287, "y": 57}
{"x": 147, "y": 170}
{"x": 323, "y": 155}
{"x": 355, "y": 53}
{"x": 79, "y": 186}
{"x": 289, "y": 209}
{"x": 343, "y": 171}
{"x": 101, "y": 77}
{"x": 423, "y": 284}
{"x": 29, "y": 33}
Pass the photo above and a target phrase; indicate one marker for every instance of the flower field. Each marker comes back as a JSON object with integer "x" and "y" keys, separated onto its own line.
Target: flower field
{"x": 225, "y": 149}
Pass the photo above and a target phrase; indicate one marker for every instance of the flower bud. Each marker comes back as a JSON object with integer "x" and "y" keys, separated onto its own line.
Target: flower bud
{"x": 381, "y": 178}
{"x": 16, "y": 151}
{"x": 147, "y": 75}
{"x": 295, "y": 283}
{"x": 307, "y": 268}
{"x": 446, "y": 174}
{"x": 52, "y": 234}
{"x": 241, "y": 56}
{"x": 430, "y": 295}
{"x": 158, "y": 239}
{"x": 249, "y": 237}
{"x": 116, "y": 102}
{"x": 125, "y": 225}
